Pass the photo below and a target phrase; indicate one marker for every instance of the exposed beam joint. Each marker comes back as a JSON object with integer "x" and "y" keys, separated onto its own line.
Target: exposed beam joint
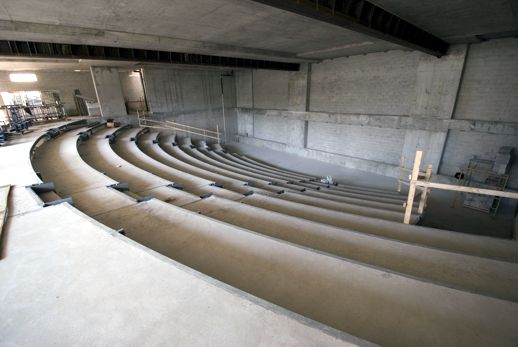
{"x": 366, "y": 18}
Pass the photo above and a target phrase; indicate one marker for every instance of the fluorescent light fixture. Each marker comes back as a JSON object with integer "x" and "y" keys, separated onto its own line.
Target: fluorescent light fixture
{"x": 23, "y": 77}
{"x": 76, "y": 70}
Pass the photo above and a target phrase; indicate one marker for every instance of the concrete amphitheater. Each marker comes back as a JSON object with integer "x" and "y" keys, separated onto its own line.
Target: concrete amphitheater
{"x": 258, "y": 173}
{"x": 165, "y": 227}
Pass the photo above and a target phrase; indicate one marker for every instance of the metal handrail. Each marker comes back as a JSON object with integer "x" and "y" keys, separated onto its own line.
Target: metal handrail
{"x": 191, "y": 127}
{"x": 205, "y": 133}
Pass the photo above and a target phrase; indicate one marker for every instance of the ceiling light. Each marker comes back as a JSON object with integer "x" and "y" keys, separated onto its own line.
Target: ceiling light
{"x": 76, "y": 70}
{"x": 23, "y": 77}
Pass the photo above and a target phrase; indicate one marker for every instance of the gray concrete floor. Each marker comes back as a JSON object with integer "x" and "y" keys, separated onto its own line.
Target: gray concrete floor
{"x": 439, "y": 213}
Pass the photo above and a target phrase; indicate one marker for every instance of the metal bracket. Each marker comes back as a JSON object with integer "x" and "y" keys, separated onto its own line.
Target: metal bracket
{"x": 145, "y": 198}
{"x": 205, "y": 196}
{"x": 175, "y": 186}
{"x": 83, "y": 136}
{"x": 41, "y": 188}
{"x": 121, "y": 187}
{"x": 60, "y": 201}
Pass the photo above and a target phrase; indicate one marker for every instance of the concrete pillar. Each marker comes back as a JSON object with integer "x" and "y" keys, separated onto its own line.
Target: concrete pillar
{"x": 297, "y": 89}
{"x": 244, "y": 91}
{"x": 109, "y": 92}
{"x": 437, "y": 85}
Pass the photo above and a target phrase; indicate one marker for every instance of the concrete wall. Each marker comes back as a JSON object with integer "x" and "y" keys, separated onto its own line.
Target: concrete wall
{"x": 193, "y": 97}
{"x": 131, "y": 86}
{"x": 368, "y": 111}
{"x": 64, "y": 82}
{"x": 109, "y": 92}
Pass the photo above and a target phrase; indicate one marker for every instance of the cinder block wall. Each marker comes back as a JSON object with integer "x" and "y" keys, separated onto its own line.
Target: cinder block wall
{"x": 370, "y": 110}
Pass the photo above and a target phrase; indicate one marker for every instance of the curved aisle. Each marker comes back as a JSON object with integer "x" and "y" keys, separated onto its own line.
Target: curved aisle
{"x": 480, "y": 275}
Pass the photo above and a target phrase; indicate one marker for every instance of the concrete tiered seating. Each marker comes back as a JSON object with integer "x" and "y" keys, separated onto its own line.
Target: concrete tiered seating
{"x": 381, "y": 290}
{"x": 441, "y": 239}
{"x": 420, "y": 262}
{"x": 68, "y": 280}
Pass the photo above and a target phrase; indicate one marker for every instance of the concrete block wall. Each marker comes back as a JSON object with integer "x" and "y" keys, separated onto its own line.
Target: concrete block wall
{"x": 378, "y": 83}
{"x": 65, "y": 82}
{"x": 368, "y": 111}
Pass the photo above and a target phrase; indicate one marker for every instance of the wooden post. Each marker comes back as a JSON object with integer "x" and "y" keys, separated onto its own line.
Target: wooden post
{"x": 411, "y": 189}
{"x": 424, "y": 194}
{"x": 401, "y": 174}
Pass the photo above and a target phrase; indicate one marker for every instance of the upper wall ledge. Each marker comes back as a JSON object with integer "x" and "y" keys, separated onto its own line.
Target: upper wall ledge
{"x": 392, "y": 121}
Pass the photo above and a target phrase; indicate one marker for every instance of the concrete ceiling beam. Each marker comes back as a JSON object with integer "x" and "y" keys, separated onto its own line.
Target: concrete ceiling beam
{"x": 29, "y": 31}
{"x": 366, "y": 18}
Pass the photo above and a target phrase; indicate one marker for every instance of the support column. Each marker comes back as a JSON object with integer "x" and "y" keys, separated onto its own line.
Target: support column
{"x": 437, "y": 86}
{"x": 109, "y": 92}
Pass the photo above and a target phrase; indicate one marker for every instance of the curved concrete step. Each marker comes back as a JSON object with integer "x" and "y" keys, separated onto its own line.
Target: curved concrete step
{"x": 481, "y": 246}
{"x": 476, "y": 274}
{"x": 331, "y": 189}
{"x": 346, "y": 187}
{"x": 436, "y": 238}
{"x": 305, "y": 176}
{"x": 311, "y": 195}
{"x": 135, "y": 158}
{"x": 327, "y": 190}
{"x": 391, "y": 205}
{"x": 365, "y": 301}
{"x": 185, "y": 153}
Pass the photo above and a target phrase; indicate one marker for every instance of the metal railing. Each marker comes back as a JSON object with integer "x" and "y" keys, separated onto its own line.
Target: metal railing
{"x": 144, "y": 121}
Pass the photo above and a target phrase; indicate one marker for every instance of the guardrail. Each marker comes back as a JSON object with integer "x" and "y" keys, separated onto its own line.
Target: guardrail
{"x": 143, "y": 121}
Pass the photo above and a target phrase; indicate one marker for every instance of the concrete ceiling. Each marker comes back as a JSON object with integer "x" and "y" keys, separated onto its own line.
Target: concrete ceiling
{"x": 458, "y": 21}
{"x": 237, "y": 28}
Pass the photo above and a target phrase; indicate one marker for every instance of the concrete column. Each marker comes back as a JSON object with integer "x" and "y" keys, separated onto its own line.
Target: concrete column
{"x": 109, "y": 92}
{"x": 437, "y": 84}
{"x": 297, "y": 89}
{"x": 244, "y": 92}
